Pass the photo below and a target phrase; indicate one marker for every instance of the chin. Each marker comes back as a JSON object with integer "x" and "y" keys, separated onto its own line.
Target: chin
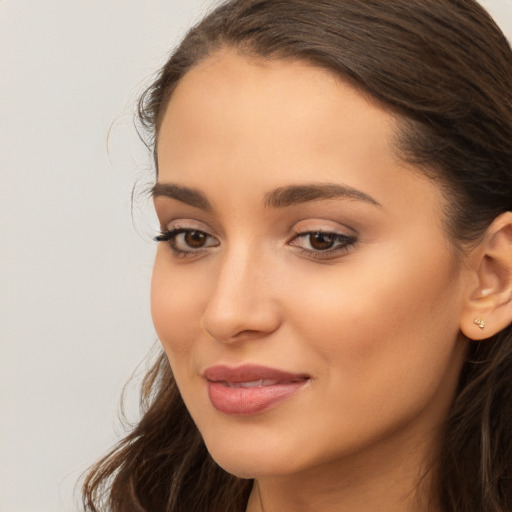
{"x": 246, "y": 468}
{"x": 248, "y": 459}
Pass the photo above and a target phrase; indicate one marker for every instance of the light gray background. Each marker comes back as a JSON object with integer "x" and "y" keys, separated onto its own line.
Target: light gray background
{"x": 74, "y": 268}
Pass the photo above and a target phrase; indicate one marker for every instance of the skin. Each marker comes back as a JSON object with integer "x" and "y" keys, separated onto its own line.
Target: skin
{"x": 375, "y": 325}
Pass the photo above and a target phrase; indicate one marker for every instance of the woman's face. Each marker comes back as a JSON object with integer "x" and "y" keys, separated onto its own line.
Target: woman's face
{"x": 305, "y": 295}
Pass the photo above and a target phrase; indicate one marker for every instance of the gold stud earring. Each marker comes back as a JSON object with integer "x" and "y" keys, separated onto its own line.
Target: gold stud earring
{"x": 479, "y": 322}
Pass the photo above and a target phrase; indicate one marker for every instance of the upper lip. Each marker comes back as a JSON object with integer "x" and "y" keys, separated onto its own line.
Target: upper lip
{"x": 250, "y": 373}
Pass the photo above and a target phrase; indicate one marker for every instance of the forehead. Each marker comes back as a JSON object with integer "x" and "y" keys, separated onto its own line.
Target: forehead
{"x": 238, "y": 74}
{"x": 291, "y": 99}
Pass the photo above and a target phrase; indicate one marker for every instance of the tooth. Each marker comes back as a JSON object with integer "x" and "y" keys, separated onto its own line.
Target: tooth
{"x": 258, "y": 383}
{"x": 251, "y": 384}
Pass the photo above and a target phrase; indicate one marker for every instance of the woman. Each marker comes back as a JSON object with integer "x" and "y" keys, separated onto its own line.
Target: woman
{"x": 333, "y": 286}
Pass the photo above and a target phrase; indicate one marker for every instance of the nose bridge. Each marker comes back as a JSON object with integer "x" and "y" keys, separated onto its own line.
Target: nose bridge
{"x": 241, "y": 300}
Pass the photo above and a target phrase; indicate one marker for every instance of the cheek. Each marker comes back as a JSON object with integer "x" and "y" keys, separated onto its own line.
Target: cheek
{"x": 385, "y": 344}
{"x": 176, "y": 303}
{"x": 387, "y": 318}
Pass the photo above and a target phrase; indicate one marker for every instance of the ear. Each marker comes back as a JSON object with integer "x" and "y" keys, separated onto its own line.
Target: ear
{"x": 488, "y": 307}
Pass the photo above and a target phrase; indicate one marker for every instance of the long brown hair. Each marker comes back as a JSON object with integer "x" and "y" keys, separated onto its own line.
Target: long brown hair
{"x": 445, "y": 68}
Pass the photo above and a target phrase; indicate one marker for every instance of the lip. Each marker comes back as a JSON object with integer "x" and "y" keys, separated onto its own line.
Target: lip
{"x": 250, "y": 389}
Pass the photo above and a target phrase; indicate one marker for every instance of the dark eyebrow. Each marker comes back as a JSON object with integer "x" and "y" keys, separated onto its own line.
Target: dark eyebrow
{"x": 279, "y": 198}
{"x": 297, "y": 194}
{"x": 184, "y": 194}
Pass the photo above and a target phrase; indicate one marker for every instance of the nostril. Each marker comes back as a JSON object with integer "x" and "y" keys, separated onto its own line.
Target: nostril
{"x": 235, "y": 336}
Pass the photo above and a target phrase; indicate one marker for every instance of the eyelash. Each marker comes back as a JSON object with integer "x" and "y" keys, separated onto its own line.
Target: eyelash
{"x": 343, "y": 242}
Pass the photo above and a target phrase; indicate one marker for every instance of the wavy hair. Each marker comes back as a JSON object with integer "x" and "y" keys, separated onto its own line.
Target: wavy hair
{"x": 445, "y": 69}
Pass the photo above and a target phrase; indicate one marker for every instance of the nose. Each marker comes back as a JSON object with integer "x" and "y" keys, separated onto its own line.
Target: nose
{"x": 243, "y": 304}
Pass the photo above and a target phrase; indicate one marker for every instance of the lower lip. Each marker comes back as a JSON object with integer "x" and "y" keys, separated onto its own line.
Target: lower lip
{"x": 246, "y": 401}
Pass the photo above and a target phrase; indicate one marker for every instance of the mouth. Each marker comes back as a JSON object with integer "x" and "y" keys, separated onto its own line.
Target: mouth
{"x": 250, "y": 389}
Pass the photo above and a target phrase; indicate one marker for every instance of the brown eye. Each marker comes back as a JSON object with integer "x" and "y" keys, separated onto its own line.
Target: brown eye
{"x": 195, "y": 239}
{"x": 184, "y": 241}
{"x": 321, "y": 241}
{"x": 323, "y": 244}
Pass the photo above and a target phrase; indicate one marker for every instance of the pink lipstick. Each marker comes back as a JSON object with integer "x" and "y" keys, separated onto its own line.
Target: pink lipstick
{"x": 250, "y": 389}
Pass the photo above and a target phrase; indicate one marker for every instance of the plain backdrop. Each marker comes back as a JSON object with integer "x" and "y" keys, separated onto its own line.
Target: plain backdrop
{"x": 75, "y": 259}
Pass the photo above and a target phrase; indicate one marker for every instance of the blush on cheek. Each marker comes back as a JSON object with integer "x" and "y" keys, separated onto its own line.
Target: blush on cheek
{"x": 168, "y": 312}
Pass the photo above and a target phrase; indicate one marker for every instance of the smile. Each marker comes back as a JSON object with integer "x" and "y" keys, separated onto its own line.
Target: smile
{"x": 249, "y": 389}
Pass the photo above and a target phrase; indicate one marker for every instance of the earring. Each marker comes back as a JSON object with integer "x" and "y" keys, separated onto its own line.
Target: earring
{"x": 479, "y": 322}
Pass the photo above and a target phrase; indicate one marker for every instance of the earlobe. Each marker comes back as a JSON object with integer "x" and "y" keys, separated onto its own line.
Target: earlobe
{"x": 488, "y": 309}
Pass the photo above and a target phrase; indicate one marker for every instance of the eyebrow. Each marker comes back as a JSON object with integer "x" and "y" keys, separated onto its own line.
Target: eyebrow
{"x": 281, "y": 197}
{"x": 185, "y": 195}
{"x": 298, "y": 194}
